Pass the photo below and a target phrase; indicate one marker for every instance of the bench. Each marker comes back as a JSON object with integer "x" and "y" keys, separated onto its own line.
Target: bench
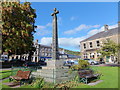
{"x": 84, "y": 75}
{"x": 21, "y": 76}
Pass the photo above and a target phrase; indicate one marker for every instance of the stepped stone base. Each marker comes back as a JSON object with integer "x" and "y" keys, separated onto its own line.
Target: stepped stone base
{"x": 54, "y": 75}
{"x": 54, "y": 72}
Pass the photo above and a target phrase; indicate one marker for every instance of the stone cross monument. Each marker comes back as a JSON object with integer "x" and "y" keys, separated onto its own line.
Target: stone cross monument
{"x": 54, "y": 71}
{"x": 55, "y": 52}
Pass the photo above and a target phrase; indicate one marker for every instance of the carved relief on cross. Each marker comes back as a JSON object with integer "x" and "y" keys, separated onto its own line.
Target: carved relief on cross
{"x": 55, "y": 12}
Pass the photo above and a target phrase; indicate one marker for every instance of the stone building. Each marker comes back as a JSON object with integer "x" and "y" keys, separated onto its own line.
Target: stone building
{"x": 90, "y": 45}
{"x": 45, "y": 52}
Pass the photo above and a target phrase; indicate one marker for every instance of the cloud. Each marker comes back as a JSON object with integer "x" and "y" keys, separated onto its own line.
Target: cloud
{"x": 113, "y": 26}
{"x": 49, "y": 25}
{"x": 63, "y": 42}
{"x": 59, "y": 20}
{"x": 72, "y": 18}
{"x": 73, "y": 43}
{"x": 79, "y": 28}
{"x": 40, "y": 27}
{"x": 43, "y": 30}
{"x": 94, "y": 31}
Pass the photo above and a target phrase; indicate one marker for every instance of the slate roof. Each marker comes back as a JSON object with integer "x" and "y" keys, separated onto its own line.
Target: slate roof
{"x": 102, "y": 34}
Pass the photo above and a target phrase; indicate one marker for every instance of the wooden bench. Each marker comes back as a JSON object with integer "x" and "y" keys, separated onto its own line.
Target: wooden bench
{"x": 84, "y": 75}
{"x": 21, "y": 76}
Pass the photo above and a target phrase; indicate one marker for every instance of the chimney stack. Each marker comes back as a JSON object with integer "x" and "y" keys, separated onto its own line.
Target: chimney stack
{"x": 36, "y": 40}
{"x": 105, "y": 27}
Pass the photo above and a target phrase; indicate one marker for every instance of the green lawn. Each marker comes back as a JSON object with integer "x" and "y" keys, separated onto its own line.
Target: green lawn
{"x": 110, "y": 78}
{"x": 2, "y": 85}
{"x": 5, "y": 73}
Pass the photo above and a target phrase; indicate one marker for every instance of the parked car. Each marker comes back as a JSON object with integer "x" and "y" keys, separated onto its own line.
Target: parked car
{"x": 30, "y": 64}
{"x": 4, "y": 58}
{"x": 92, "y": 62}
{"x": 42, "y": 62}
{"x": 69, "y": 63}
{"x": 17, "y": 62}
{"x": 75, "y": 62}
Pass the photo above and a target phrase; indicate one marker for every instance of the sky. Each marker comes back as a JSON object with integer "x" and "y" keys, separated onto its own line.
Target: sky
{"x": 76, "y": 21}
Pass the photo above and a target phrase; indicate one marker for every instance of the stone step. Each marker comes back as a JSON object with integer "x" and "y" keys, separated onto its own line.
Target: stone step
{"x": 57, "y": 70}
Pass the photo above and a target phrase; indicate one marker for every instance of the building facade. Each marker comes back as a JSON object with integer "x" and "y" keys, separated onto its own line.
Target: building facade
{"x": 90, "y": 46}
{"x": 45, "y": 52}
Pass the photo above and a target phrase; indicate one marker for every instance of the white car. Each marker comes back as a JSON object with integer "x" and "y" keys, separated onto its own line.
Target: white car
{"x": 92, "y": 62}
{"x": 71, "y": 62}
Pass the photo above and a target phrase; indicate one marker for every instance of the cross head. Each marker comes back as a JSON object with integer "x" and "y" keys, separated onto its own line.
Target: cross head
{"x": 55, "y": 12}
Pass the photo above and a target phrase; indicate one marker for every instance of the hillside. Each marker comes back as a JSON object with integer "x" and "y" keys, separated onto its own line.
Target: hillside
{"x": 72, "y": 52}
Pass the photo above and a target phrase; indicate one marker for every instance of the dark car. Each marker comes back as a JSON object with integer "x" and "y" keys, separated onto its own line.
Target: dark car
{"x": 70, "y": 63}
{"x": 17, "y": 62}
{"x": 42, "y": 62}
{"x": 30, "y": 64}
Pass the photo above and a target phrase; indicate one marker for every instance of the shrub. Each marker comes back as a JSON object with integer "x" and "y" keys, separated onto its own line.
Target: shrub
{"x": 82, "y": 64}
{"x": 38, "y": 83}
{"x": 48, "y": 85}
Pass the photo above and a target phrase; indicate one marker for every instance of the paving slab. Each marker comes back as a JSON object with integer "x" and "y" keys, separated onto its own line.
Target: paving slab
{"x": 13, "y": 84}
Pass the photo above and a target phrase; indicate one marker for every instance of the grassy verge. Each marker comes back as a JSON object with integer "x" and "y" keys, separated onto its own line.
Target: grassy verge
{"x": 2, "y": 85}
{"x": 5, "y": 74}
{"x": 109, "y": 77}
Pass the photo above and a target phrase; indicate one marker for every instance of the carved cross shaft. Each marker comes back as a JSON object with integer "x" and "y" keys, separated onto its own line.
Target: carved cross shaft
{"x": 55, "y": 50}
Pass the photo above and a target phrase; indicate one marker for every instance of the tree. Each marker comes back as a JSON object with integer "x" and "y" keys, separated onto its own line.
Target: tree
{"x": 109, "y": 48}
{"x": 18, "y": 27}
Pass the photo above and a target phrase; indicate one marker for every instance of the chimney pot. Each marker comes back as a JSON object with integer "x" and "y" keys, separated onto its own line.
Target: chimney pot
{"x": 105, "y": 27}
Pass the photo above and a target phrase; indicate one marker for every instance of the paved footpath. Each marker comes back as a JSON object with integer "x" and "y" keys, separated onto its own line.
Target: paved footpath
{"x": 95, "y": 83}
{"x": 5, "y": 69}
{"x": 115, "y": 65}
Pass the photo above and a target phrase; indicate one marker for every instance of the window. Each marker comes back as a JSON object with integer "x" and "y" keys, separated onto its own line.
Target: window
{"x": 90, "y": 44}
{"x": 45, "y": 54}
{"x": 84, "y": 45}
{"x": 36, "y": 52}
{"x": 97, "y": 54}
{"x": 85, "y": 56}
{"x": 90, "y": 55}
{"x": 98, "y": 43}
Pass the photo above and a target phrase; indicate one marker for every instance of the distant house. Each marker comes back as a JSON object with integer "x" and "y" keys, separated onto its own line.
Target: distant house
{"x": 90, "y": 45}
{"x": 45, "y": 52}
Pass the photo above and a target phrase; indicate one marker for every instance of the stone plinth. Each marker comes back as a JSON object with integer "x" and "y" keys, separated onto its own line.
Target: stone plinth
{"x": 55, "y": 75}
{"x": 55, "y": 72}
